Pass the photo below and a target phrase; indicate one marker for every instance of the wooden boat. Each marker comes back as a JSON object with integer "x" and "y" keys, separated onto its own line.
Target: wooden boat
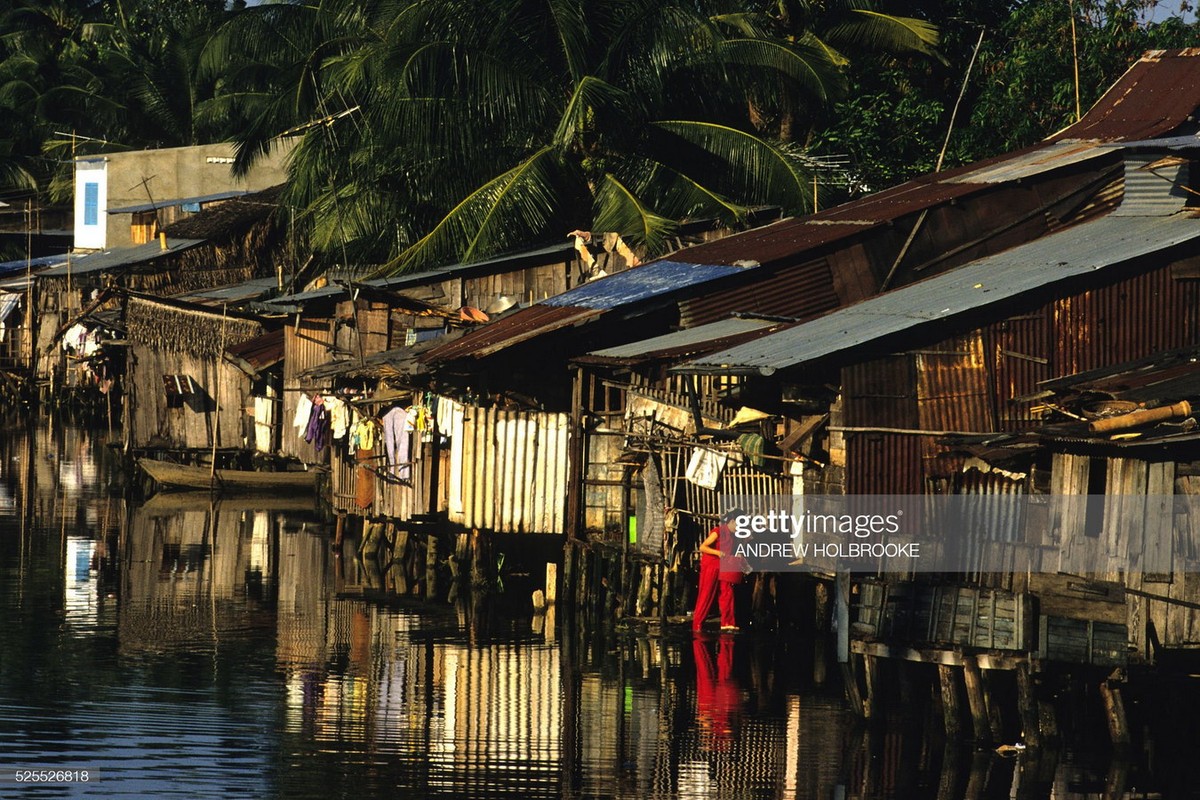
{"x": 181, "y": 476}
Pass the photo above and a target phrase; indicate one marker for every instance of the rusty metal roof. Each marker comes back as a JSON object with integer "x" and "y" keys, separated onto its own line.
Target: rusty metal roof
{"x": 1167, "y": 92}
{"x": 257, "y": 354}
{"x": 516, "y": 327}
{"x": 1070, "y": 255}
{"x": 773, "y": 244}
{"x": 580, "y": 304}
{"x": 120, "y": 258}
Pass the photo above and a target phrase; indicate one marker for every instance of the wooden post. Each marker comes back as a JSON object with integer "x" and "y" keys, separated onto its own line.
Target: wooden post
{"x": 576, "y": 452}
{"x": 951, "y": 711}
{"x": 1027, "y": 705}
{"x": 551, "y": 583}
{"x": 842, "y": 615}
{"x": 431, "y": 565}
{"x": 871, "y": 679}
{"x": 338, "y": 531}
{"x": 976, "y": 699}
{"x": 1114, "y": 712}
{"x": 854, "y": 694}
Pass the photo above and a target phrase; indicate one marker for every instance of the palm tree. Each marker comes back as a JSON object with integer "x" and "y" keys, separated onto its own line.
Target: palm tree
{"x": 459, "y": 128}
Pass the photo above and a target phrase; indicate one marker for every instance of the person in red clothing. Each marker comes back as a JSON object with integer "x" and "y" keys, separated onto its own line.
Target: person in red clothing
{"x": 716, "y": 584}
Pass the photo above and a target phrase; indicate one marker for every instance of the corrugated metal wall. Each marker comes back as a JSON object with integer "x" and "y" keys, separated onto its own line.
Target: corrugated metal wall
{"x": 305, "y": 346}
{"x": 883, "y": 463}
{"x": 799, "y": 291}
{"x": 512, "y": 474}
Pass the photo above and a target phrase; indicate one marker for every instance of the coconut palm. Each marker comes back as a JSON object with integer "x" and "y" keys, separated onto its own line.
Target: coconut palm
{"x": 458, "y": 128}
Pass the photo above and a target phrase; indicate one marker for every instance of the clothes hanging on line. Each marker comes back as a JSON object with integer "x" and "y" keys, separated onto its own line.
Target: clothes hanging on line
{"x": 397, "y": 430}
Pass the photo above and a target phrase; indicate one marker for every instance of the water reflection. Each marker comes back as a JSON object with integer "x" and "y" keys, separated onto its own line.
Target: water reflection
{"x": 199, "y": 648}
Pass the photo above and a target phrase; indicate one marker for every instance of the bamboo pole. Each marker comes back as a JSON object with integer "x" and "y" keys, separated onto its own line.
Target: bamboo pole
{"x": 217, "y": 397}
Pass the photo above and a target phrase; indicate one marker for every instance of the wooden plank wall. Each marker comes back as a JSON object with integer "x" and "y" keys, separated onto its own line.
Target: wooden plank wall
{"x": 153, "y": 423}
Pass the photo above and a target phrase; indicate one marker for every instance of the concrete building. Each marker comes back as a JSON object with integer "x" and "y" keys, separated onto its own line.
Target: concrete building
{"x": 123, "y": 199}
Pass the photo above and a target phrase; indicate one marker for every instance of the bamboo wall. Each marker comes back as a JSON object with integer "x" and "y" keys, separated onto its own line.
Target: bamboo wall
{"x": 503, "y": 471}
{"x": 513, "y": 472}
{"x": 167, "y": 341}
{"x": 197, "y": 421}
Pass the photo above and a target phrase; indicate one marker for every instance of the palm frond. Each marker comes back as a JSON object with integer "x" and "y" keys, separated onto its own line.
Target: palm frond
{"x": 886, "y": 32}
{"x": 758, "y": 170}
{"x": 809, "y": 67}
{"x": 506, "y": 211}
{"x": 680, "y": 195}
{"x": 750, "y": 24}
{"x": 570, "y": 27}
{"x": 618, "y": 209}
{"x": 591, "y": 94}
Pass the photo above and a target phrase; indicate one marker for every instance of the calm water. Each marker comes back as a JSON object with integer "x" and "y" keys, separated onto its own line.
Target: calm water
{"x": 185, "y": 649}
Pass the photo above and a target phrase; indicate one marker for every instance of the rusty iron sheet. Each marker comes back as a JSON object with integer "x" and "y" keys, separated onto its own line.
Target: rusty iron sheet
{"x": 1153, "y": 98}
{"x": 518, "y": 327}
{"x": 799, "y": 292}
{"x": 883, "y": 463}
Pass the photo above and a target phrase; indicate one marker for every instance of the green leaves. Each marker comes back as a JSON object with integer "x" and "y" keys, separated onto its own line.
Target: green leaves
{"x": 499, "y": 215}
{"x": 619, "y": 209}
{"x": 760, "y": 171}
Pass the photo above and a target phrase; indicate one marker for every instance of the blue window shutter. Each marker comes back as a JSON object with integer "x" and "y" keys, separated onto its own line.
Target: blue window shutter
{"x": 91, "y": 204}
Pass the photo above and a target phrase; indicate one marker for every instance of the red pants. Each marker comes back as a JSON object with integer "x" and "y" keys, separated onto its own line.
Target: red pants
{"x": 712, "y": 588}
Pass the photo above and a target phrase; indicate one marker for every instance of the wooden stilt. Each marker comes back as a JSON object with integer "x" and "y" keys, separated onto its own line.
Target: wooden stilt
{"x": 1027, "y": 706}
{"x": 976, "y": 699}
{"x": 871, "y": 702}
{"x": 853, "y": 693}
{"x": 551, "y": 583}
{"x": 1114, "y": 712}
{"x": 431, "y": 565}
{"x": 951, "y": 710}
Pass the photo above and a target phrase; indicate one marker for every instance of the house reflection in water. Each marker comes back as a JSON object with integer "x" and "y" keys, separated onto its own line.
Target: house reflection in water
{"x": 439, "y": 699}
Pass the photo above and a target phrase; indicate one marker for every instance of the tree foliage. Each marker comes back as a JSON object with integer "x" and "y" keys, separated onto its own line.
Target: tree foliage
{"x": 893, "y": 121}
{"x": 436, "y": 131}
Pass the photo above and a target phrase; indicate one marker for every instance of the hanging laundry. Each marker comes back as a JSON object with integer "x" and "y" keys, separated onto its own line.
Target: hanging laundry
{"x": 317, "y": 431}
{"x": 397, "y": 429}
{"x": 444, "y": 415}
{"x": 705, "y": 467}
{"x": 364, "y": 480}
{"x": 303, "y": 413}
{"x": 364, "y": 435}
{"x": 339, "y": 417}
{"x": 753, "y": 445}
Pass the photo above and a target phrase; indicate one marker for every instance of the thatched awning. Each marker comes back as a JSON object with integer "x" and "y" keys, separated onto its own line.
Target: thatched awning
{"x": 401, "y": 362}
{"x": 200, "y": 332}
{"x": 227, "y": 219}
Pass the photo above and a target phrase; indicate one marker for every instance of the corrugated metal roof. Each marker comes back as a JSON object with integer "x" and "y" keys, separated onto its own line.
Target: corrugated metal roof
{"x": 124, "y": 257}
{"x": 1191, "y": 142}
{"x": 260, "y": 352}
{"x": 20, "y": 265}
{"x": 244, "y": 292}
{"x": 178, "y": 201}
{"x": 1035, "y": 162}
{"x": 1152, "y": 189}
{"x": 681, "y": 343}
{"x": 1167, "y": 92}
{"x": 1074, "y": 253}
{"x": 773, "y": 244}
{"x": 639, "y": 283}
{"x": 514, "y": 328}
{"x": 540, "y": 255}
